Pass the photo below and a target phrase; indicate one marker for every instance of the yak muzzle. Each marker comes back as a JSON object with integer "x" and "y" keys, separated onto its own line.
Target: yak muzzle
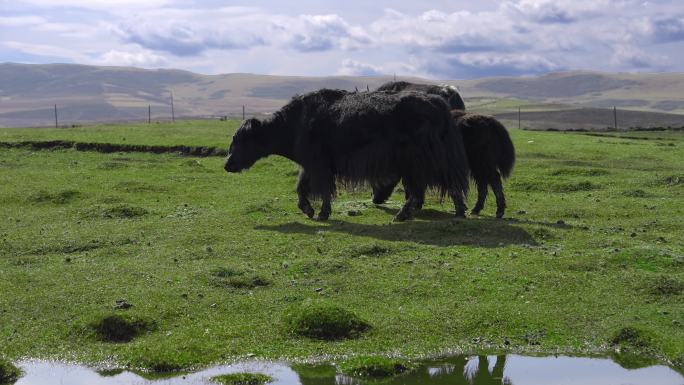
{"x": 229, "y": 165}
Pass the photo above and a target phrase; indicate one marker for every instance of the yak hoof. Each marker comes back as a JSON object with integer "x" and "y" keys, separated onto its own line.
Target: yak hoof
{"x": 401, "y": 216}
{"x": 308, "y": 211}
{"x": 499, "y": 215}
{"x": 474, "y": 212}
{"x": 378, "y": 201}
{"x": 460, "y": 214}
{"x": 322, "y": 217}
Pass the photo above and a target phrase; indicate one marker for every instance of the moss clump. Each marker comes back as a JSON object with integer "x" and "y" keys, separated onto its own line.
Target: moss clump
{"x": 163, "y": 363}
{"x": 574, "y": 187}
{"x": 121, "y": 327}
{"x": 629, "y": 360}
{"x": 374, "y": 250}
{"x": 314, "y": 373}
{"x": 163, "y": 366}
{"x": 9, "y": 373}
{"x": 57, "y": 198}
{"x": 580, "y": 172}
{"x": 320, "y": 320}
{"x": 237, "y": 279}
{"x": 242, "y": 379}
{"x": 124, "y": 211}
{"x": 638, "y": 193}
{"x": 630, "y": 336}
{"x": 375, "y": 366}
{"x": 666, "y": 286}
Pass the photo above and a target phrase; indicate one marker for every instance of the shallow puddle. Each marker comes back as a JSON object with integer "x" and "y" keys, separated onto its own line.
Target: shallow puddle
{"x": 466, "y": 370}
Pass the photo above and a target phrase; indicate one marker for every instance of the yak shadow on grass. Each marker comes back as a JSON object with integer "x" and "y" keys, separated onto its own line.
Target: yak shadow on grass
{"x": 481, "y": 232}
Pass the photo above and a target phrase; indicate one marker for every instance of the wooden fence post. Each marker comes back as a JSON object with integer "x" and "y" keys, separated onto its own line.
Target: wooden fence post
{"x": 56, "y": 121}
{"x": 173, "y": 113}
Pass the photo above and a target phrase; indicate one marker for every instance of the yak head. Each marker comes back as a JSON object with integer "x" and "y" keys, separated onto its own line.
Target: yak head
{"x": 452, "y": 96}
{"x": 248, "y": 146}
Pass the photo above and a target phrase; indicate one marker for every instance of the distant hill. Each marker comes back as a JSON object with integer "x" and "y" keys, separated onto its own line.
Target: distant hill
{"x": 656, "y": 92}
{"x": 86, "y": 94}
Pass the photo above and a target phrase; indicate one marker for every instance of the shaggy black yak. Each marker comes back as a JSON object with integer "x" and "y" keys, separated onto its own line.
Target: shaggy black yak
{"x": 369, "y": 137}
{"x": 448, "y": 93}
{"x": 488, "y": 146}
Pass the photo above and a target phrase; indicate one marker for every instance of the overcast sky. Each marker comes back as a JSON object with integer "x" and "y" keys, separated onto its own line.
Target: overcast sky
{"x": 437, "y": 39}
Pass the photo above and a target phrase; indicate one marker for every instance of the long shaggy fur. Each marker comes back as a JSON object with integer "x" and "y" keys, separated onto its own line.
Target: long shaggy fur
{"x": 488, "y": 146}
{"x": 448, "y": 93}
{"x": 371, "y": 137}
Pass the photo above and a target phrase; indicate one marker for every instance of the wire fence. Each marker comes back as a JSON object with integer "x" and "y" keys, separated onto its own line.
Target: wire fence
{"x": 522, "y": 117}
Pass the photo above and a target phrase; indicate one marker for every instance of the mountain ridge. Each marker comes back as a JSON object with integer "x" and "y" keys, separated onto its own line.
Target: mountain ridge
{"x": 84, "y": 93}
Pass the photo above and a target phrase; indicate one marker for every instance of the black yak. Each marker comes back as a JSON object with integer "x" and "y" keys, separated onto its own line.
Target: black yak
{"x": 370, "y": 137}
{"x": 488, "y": 146}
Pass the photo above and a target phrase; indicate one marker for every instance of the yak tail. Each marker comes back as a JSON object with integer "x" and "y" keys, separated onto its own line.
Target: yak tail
{"x": 506, "y": 154}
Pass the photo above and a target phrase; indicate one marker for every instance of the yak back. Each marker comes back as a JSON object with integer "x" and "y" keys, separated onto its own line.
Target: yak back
{"x": 375, "y": 137}
{"x": 487, "y": 143}
{"x": 449, "y": 93}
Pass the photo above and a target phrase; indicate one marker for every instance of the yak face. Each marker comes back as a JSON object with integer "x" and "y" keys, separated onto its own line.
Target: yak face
{"x": 247, "y": 147}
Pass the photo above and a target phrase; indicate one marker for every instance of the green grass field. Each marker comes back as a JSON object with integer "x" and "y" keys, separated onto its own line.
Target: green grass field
{"x": 591, "y": 253}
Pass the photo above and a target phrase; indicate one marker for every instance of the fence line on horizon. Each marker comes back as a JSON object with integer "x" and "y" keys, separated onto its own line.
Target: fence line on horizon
{"x": 512, "y": 117}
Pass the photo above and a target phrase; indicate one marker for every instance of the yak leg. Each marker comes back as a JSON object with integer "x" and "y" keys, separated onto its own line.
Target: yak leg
{"x": 418, "y": 196}
{"x": 481, "y": 196}
{"x": 414, "y": 194}
{"x": 323, "y": 184}
{"x": 459, "y": 202}
{"x": 326, "y": 208}
{"x": 497, "y": 186}
{"x": 303, "y": 191}
{"x": 382, "y": 192}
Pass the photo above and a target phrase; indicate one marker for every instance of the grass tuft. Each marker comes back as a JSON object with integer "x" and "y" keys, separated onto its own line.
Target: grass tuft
{"x": 242, "y": 379}
{"x": 375, "y": 366}
{"x": 121, "y": 328}
{"x": 323, "y": 321}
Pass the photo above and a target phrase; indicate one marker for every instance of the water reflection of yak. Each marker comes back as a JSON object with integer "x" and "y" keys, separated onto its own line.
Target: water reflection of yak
{"x": 451, "y": 371}
{"x": 488, "y": 146}
{"x": 368, "y": 137}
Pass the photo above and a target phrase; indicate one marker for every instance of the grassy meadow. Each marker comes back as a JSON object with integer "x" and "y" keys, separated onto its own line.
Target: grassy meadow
{"x": 589, "y": 260}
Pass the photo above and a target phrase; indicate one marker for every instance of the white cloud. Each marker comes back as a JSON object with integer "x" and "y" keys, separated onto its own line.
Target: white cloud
{"x": 20, "y": 21}
{"x": 323, "y": 32}
{"x": 458, "y": 39}
{"x": 100, "y": 4}
{"x": 356, "y": 68}
{"x": 46, "y": 50}
{"x": 561, "y": 11}
{"x": 523, "y": 62}
{"x": 135, "y": 59}
{"x": 627, "y": 56}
